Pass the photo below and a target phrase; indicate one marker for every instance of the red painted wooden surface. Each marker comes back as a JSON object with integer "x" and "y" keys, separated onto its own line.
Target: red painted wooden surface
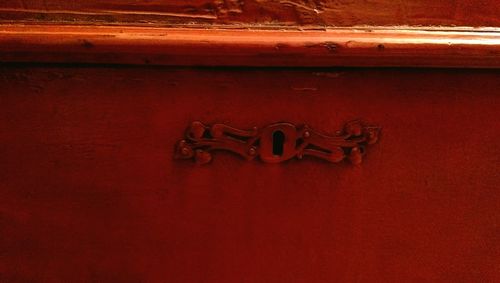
{"x": 89, "y": 190}
{"x": 258, "y": 13}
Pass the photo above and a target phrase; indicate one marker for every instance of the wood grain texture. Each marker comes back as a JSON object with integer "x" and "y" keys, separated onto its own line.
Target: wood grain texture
{"x": 90, "y": 192}
{"x": 483, "y": 13}
{"x": 223, "y": 47}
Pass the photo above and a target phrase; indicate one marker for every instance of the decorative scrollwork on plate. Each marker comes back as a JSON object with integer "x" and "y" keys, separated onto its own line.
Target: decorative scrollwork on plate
{"x": 277, "y": 142}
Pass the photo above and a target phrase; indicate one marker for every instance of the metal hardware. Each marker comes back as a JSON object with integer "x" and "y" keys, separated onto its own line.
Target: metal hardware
{"x": 277, "y": 142}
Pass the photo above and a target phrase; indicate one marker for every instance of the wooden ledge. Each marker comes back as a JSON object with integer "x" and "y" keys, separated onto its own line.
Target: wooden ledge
{"x": 365, "y": 47}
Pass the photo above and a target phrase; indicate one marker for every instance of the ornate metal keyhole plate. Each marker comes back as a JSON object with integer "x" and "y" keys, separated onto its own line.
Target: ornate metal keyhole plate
{"x": 276, "y": 142}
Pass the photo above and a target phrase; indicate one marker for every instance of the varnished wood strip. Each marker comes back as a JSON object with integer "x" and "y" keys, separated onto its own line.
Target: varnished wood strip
{"x": 98, "y": 13}
{"x": 168, "y": 46}
{"x": 259, "y": 12}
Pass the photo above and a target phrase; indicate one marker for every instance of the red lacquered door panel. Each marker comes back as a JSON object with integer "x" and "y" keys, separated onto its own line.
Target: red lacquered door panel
{"x": 90, "y": 191}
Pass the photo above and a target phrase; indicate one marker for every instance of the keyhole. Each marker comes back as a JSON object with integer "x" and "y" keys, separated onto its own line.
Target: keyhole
{"x": 278, "y": 142}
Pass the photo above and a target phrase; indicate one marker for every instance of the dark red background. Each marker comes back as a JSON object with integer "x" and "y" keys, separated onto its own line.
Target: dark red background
{"x": 89, "y": 190}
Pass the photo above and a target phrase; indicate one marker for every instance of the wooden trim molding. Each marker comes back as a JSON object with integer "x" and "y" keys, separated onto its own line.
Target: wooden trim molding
{"x": 252, "y": 13}
{"x": 369, "y": 46}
